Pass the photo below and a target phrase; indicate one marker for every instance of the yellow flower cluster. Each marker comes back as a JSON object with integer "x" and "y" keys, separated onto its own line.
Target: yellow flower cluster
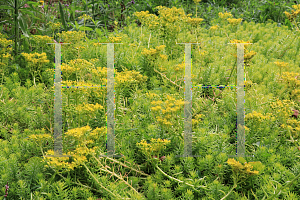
{"x": 78, "y": 46}
{"x": 6, "y": 55}
{"x": 281, "y": 64}
{"x": 142, "y": 16}
{"x": 133, "y": 45}
{"x": 148, "y": 19}
{"x": 42, "y": 40}
{"x": 283, "y": 110}
{"x": 203, "y": 53}
{"x": 294, "y": 126}
{"x": 180, "y": 66}
{"x": 4, "y": 50}
{"x": 67, "y": 70}
{"x": 54, "y": 26}
{"x": 96, "y": 44}
{"x": 294, "y": 14}
{"x": 281, "y": 104}
{"x": 164, "y": 57}
{"x": 64, "y": 163}
{"x": 194, "y": 21}
{"x": 4, "y": 43}
{"x": 152, "y": 22}
{"x": 213, "y": 28}
{"x": 129, "y": 77}
{"x": 248, "y": 83}
{"x": 238, "y": 167}
{"x": 78, "y": 132}
{"x": 240, "y": 41}
{"x": 197, "y": 119}
{"x": 39, "y": 137}
{"x": 72, "y": 37}
{"x": 160, "y": 48}
{"x": 296, "y": 93}
{"x": 170, "y": 14}
{"x": 225, "y": 15}
{"x": 94, "y": 60}
{"x": 81, "y": 151}
{"x": 168, "y": 22}
{"x": 233, "y": 21}
{"x": 296, "y": 7}
{"x": 246, "y": 128}
{"x": 99, "y": 72}
{"x": 155, "y": 148}
{"x": 88, "y": 107}
{"x": 150, "y": 52}
{"x": 171, "y": 107}
{"x": 78, "y": 65}
{"x": 291, "y": 79}
{"x": 85, "y": 17}
{"x": 115, "y": 39}
{"x": 82, "y": 90}
{"x": 151, "y": 95}
{"x": 248, "y": 55}
{"x": 257, "y": 115}
{"x": 35, "y": 58}
{"x": 153, "y": 53}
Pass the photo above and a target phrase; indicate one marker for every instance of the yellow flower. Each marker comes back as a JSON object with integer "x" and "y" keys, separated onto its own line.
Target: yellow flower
{"x": 115, "y": 39}
{"x": 294, "y": 14}
{"x": 225, "y": 15}
{"x": 234, "y": 21}
{"x": 72, "y": 37}
{"x": 156, "y": 108}
{"x": 194, "y": 21}
{"x": 54, "y": 26}
{"x": 214, "y": 27}
{"x": 85, "y": 17}
{"x": 96, "y": 44}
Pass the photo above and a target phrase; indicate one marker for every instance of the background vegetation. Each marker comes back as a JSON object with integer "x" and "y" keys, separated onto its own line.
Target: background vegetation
{"x": 149, "y": 71}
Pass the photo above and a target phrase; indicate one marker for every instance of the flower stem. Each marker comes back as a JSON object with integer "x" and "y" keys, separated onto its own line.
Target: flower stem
{"x": 229, "y": 192}
{"x": 100, "y": 183}
{"x": 172, "y": 178}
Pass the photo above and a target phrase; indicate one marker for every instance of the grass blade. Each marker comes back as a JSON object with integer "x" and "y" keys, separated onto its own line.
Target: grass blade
{"x": 62, "y": 16}
{"x": 23, "y": 25}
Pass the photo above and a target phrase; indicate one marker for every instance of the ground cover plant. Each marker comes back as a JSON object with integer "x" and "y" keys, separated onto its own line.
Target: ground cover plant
{"x": 149, "y": 114}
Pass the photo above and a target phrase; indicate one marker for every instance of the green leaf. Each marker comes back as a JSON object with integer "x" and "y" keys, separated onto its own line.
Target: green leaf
{"x": 6, "y": 8}
{"x": 85, "y": 28}
{"x": 26, "y": 45}
{"x": 209, "y": 8}
{"x": 98, "y": 31}
{"x": 23, "y": 25}
{"x": 30, "y": 13}
{"x": 93, "y": 21}
{"x": 32, "y": 3}
{"x": 73, "y": 11}
{"x": 92, "y": 2}
{"x": 62, "y": 16}
{"x": 76, "y": 24}
{"x": 242, "y": 160}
